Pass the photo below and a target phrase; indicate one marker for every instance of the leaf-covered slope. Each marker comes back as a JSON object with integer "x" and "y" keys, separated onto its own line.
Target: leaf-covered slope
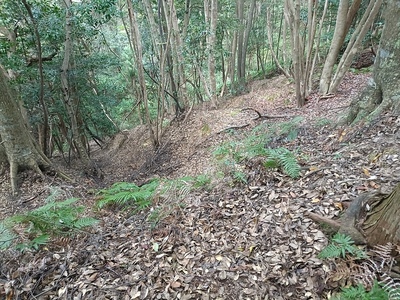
{"x": 233, "y": 242}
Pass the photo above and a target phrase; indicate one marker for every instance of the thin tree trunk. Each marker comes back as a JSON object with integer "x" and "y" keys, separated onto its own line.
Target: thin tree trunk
{"x": 211, "y": 15}
{"x": 177, "y": 50}
{"x": 249, "y": 25}
{"x": 292, "y": 12}
{"x": 138, "y": 54}
{"x": 44, "y": 130}
{"x": 345, "y": 16}
{"x": 70, "y": 98}
{"x": 271, "y": 46}
{"x": 355, "y": 41}
{"x": 318, "y": 41}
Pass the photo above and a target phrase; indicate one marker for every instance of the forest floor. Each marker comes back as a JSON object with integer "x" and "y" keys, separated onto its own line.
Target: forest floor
{"x": 231, "y": 240}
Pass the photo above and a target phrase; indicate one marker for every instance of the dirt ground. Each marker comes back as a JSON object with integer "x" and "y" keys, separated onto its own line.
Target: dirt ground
{"x": 232, "y": 241}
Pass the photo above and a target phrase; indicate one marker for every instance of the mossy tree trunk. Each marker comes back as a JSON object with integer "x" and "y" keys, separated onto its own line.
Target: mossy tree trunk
{"x": 383, "y": 90}
{"x": 374, "y": 218}
{"x": 20, "y": 149}
{"x": 382, "y": 222}
{"x": 371, "y": 218}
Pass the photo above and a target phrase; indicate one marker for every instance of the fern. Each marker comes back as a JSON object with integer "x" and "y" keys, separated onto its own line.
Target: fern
{"x": 38, "y": 241}
{"x": 287, "y": 129}
{"x": 6, "y": 236}
{"x": 340, "y": 246}
{"x": 201, "y": 181}
{"x": 285, "y": 159}
{"x": 52, "y": 219}
{"x": 173, "y": 193}
{"x": 233, "y": 153}
{"x": 124, "y": 193}
{"x": 359, "y": 292}
{"x": 240, "y": 177}
{"x": 84, "y": 222}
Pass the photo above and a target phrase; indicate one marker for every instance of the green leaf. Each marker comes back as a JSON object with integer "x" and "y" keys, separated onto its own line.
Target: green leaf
{"x": 6, "y": 236}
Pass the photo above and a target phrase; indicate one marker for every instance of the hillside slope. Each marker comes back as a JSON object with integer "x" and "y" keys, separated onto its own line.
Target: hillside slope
{"x": 234, "y": 240}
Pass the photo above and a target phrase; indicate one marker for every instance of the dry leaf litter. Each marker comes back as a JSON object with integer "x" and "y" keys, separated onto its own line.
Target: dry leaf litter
{"x": 232, "y": 242}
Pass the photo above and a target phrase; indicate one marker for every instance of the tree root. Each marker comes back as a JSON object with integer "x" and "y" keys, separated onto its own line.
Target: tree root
{"x": 355, "y": 222}
{"x": 35, "y": 166}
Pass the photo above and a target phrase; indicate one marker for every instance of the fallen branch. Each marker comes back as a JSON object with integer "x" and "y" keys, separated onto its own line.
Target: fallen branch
{"x": 233, "y": 128}
{"x": 261, "y": 116}
{"x": 327, "y": 96}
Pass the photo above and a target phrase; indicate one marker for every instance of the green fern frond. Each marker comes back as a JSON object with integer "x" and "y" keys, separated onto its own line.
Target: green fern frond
{"x": 124, "y": 193}
{"x": 6, "y": 236}
{"x": 331, "y": 251}
{"x": 285, "y": 159}
{"x": 85, "y": 222}
{"x": 52, "y": 219}
{"x": 240, "y": 177}
{"x": 340, "y": 246}
{"x": 40, "y": 240}
{"x": 359, "y": 292}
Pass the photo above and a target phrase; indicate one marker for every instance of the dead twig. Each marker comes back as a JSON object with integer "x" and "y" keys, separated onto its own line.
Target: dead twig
{"x": 327, "y": 96}
{"x": 261, "y": 116}
{"x": 233, "y": 128}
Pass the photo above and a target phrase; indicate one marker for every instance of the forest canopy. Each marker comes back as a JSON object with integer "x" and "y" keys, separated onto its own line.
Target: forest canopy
{"x": 88, "y": 69}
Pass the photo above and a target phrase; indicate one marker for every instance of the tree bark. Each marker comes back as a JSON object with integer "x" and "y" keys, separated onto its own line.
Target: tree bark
{"x": 383, "y": 89}
{"x": 382, "y": 223}
{"x": 136, "y": 39}
{"x": 44, "y": 131}
{"x": 372, "y": 219}
{"x": 353, "y": 46}
{"x": 345, "y": 16}
{"x": 18, "y": 145}
{"x": 243, "y": 37}
{"x": 176, "y": 45}
{"x": 69, "y": 94}
{"x": 292, "y": 14}
{"x": 211, "y": 17}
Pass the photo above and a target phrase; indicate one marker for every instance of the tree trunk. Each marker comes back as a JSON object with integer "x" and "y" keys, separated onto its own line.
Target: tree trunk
{"x": 243, "y": 37}
{"x": 274, "y": 53}
{"x": 138, "y": 55}
{"x": 211, "y": 16}
{"x": 44, "y": 131}
{"x": 353, "y": 46}
{"x": 240, "y": 38}
{"x": 18, "y": 145}
{"x": 292, "y": 13}
{"x": 69, "y": 94}
{"x": 176, "y": 45}
{"x": 383, "y": 90}
{"x": 345, "y": 16}
{"x": 382, "y": 223}
{"x": 372, "y": 219}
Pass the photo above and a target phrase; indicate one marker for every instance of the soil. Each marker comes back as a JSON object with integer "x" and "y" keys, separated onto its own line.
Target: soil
{"x": 233, "y": 240}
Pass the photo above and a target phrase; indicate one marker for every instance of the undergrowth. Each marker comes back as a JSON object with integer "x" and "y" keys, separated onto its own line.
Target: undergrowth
{"x": 127, "y": 193}
{"x": 162, "y": 195}
{"x": 340, "y": 246}
{"x": 233, "y": 154}
{"x": 369, "y": 274}
{"x": 35, "y": 228}
{"x": 360, "y": 293}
